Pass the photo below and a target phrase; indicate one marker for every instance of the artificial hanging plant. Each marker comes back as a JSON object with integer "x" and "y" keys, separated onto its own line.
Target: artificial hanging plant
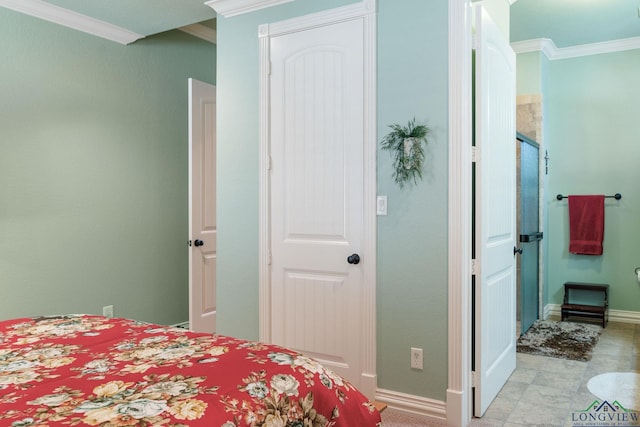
{"x": 405, "y": 144}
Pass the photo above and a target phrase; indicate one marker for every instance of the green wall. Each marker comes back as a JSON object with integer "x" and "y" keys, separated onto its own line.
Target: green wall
{"x": 592, "y": 133}
{"x": 93, "y": 170}
{"x": 529, "y": 73}
{"x": 412, "y": 239}
{"x": 590, "y": 113}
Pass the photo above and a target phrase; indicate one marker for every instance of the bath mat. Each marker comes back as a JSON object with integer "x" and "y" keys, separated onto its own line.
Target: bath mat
{"x": 562, "y": 340}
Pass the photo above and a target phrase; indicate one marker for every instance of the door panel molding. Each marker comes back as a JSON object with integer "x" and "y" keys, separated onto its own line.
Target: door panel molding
{"x": 364, "y": 11}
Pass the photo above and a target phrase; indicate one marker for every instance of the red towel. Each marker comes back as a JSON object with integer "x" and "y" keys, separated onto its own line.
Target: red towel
{"x": 586, "y": 224}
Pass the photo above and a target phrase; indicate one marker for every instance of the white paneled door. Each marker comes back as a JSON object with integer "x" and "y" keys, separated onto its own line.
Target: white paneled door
{"x": 317, "y": 193}
{"x": 495, "y": 279}
{"x": 202, "y": 206}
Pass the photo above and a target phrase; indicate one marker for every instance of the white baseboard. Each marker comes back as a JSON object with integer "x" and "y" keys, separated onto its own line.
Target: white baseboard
{"x": 414, "y": 406}
{"x": 458, "y": 408}
{"x": 552, "y": 311}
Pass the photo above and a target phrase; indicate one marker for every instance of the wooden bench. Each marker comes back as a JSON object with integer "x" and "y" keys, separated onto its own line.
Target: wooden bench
{"x": 586, "y": 310}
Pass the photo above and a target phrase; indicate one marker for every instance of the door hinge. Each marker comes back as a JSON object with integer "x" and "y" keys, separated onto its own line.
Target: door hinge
{"x": 474, "y": 154}
{"x": 474, "y": 267}
{"x": 269, "y": 258}
{"x": 269, "y": 162}
{"x": 474, "y": 379}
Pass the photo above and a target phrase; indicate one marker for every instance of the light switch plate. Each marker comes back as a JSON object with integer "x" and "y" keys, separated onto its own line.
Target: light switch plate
{"x": 381, "y": 205}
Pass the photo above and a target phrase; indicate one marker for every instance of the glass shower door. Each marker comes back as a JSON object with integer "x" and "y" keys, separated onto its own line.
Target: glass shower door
{"x": 530, "y": 235}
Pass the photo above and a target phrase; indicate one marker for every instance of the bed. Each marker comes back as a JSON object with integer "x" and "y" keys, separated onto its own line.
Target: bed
{"x": 76, "y": 370}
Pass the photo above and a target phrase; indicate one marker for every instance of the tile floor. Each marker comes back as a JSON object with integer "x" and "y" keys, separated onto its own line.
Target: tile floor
{"x": 544, "y": 391}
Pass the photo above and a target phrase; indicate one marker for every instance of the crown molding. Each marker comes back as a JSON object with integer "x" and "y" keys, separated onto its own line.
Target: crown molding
{"x": 201, "y": 31}
{"x": 548, "y": 47}
{"x": 228, "y": 8}
{"x": 71, "y": 19}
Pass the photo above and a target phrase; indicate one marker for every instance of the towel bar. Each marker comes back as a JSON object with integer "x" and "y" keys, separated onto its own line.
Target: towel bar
{"x": 616, "y": 196}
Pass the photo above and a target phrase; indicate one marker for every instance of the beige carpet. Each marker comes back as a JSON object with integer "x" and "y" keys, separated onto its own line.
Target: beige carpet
{"x": 395, "y": 419}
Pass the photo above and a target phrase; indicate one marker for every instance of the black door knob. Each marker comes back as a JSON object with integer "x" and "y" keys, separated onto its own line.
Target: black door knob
{"x": 517, "y": 250}
{"x": 198, "y": 243}
{"x": 353, "y": 259}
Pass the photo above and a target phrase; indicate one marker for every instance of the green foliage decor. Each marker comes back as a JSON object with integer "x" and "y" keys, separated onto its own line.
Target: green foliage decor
{"x": 405, "y": 144}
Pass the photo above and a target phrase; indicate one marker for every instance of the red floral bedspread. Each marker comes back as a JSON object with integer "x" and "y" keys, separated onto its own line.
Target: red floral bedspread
{"x": 91, "y": 370}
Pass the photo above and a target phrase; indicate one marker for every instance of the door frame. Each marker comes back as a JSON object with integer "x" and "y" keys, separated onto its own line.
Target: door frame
{"x": 366, "y": 11}
{"x": 459, "y": 397}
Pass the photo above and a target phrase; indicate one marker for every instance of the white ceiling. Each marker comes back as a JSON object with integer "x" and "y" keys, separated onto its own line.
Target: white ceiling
{"x": 142, "y": 16}
{"x": 575, "y": 22}
{"x": 123, "y": 21}
{"x": 566, "y": 22}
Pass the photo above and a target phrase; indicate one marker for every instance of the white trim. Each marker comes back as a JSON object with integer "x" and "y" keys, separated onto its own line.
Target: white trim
{"x": 552, "y": 311}
{"x": 344, "y": 13}
{"x": 459, "y": 269}
{"x": 414, "y": 406}
{"x": 624, "y": 316}
{"x": 545, "y": 46}
{"x": 201, "y": 31}
{"x": 369, "y": 380}
{"x": 190, "y": 194}
{"x": 365, "y": 10}
{"x": 71, "y": 19}
{"x": 264, "y": 221}
{"x": 548, "y": 47}
{"x": 228, "y": 8}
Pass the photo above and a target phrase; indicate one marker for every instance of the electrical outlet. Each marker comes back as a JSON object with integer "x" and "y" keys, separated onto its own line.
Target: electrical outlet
{"x": 107, "y": 311}
{"x": 416, "y": 358}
